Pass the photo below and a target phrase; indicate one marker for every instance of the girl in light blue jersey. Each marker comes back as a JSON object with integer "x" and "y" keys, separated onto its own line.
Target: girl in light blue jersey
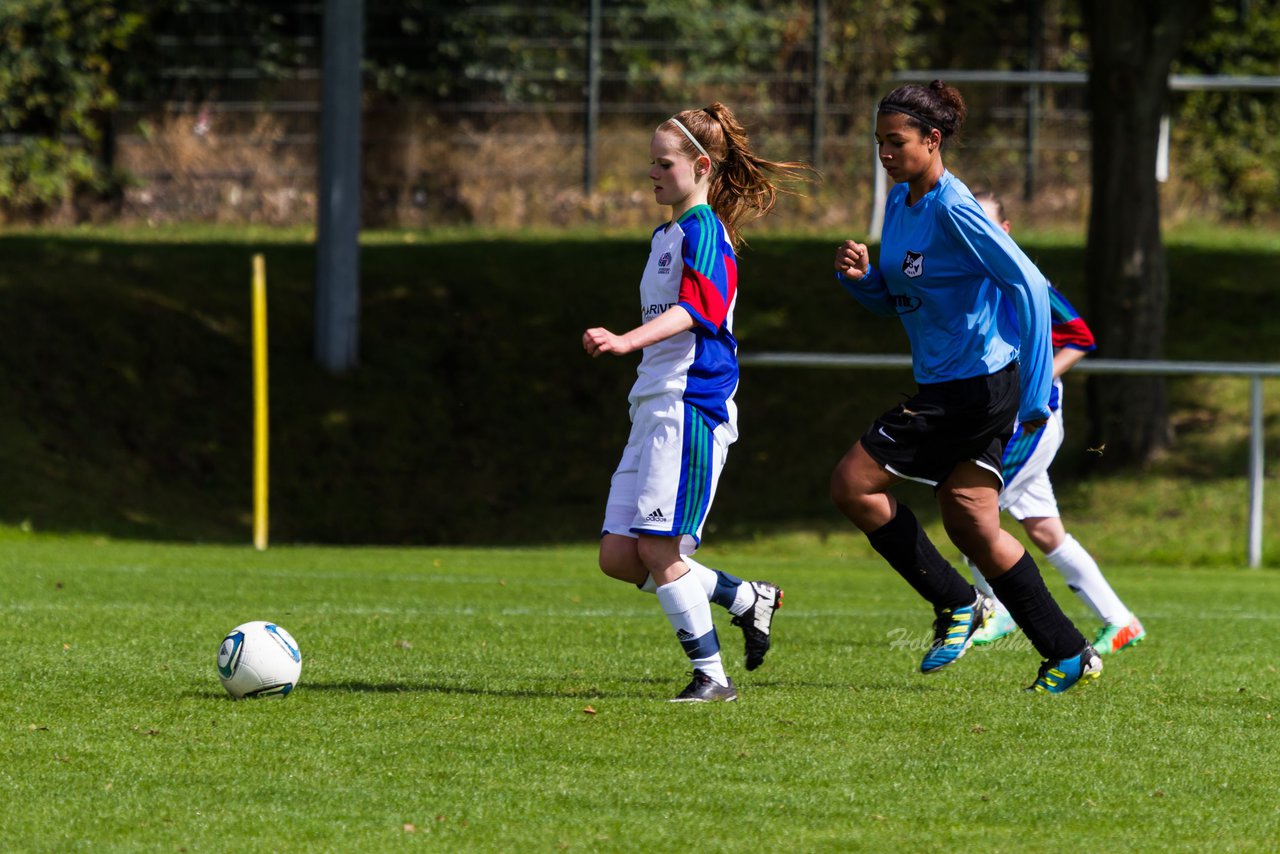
{"x": 683, "y": 416}
{"x": 976, "y": 312}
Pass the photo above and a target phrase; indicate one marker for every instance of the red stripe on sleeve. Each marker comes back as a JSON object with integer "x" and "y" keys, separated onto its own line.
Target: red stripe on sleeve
{"x": 1074, "y": 333}
{"x": 704, "y": 298}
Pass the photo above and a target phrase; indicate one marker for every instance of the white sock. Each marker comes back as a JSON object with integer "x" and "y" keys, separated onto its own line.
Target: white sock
{"x": 984, "y": 587}
{"x": 744, "y": 595}
{"x": 706, "y": 575}
{"x": 724, "y": 584}
{"x": 688, "y": 609}
{"x": 1085, "y": 580}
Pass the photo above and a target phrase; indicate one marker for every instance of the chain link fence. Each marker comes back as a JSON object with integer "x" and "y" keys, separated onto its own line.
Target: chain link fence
{"x": 539, "y": 114}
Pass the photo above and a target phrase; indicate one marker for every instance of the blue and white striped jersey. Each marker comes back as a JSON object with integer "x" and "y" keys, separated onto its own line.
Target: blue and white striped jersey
{"x": 692, "y": 264}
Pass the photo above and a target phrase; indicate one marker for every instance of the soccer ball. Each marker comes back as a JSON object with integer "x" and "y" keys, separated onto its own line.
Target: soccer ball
{"x": 259, "y": 659}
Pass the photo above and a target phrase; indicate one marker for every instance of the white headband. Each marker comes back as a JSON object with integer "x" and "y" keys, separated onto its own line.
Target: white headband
{"x": 684, "y": 130}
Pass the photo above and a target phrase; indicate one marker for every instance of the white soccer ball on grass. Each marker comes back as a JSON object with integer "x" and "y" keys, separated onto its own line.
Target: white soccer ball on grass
{"x": 259, "y": 659}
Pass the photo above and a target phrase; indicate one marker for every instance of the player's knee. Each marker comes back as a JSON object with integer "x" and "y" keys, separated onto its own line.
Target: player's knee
{"x": 609, "y": 564}
{"x": 1045, "y": 531}
{"x": 618, "y": 559}
{"x": 858, "y": 489}
{"x": 651, "y": 551}
{"x": 970, "y": 539}
{"x": 1044, "y": 538}
{"x": 661, "y": 558}
{"x": 968, "y": 523}
{"x": 846, "y": 494}
{"x": 865, "y": 509}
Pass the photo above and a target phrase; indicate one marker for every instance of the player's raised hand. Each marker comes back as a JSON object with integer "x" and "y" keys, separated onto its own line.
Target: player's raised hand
{"x": 853, "y": 259}
{"x": 599, "y": 340}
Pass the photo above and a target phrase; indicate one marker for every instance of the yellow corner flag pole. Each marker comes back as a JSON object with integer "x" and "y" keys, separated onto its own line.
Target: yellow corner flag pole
{"x": 259, "y": 403}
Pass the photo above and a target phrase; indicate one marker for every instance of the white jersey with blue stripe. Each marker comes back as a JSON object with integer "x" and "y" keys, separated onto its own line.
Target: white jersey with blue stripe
{"x": 692, "y": 264}
{"x": 970, "y": 299}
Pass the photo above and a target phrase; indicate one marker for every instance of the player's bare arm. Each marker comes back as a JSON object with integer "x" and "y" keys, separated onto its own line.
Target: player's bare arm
{"x": 673, "y": 321}
{"x": 1066, "y": 359}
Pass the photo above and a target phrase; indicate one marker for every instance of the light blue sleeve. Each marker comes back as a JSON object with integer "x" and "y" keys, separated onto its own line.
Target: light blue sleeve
{"x": 999, "y": 259}
{"x": 871, "y": 291}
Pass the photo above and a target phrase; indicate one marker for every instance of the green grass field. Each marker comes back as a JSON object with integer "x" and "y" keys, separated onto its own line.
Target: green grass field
{"x": 513, "y": 699}
{"x": 510, "y": 699}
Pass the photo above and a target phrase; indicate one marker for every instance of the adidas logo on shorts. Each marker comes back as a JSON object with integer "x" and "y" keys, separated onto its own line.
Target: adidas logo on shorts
{"x": 656, "y": 516}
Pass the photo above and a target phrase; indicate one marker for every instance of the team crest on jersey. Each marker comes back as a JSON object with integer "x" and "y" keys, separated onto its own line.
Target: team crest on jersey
{"x": 664, "y": 263}
{"x": 913, "y": 264}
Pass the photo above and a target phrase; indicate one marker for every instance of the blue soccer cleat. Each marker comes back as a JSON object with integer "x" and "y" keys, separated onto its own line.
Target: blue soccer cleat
{"x": 953, "y": 633}
{"x": 1057, "y": 676}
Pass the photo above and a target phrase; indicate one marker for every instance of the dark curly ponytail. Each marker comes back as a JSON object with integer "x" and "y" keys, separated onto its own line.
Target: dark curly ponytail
{"x": 927, "y": 107}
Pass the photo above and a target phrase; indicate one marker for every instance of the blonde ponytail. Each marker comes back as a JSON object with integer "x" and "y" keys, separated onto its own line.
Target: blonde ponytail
{"x": 744, "y": 186}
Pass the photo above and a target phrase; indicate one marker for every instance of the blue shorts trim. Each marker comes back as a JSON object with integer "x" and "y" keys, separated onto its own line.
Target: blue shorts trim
{"x": 694, "y": 497}
{"x": 1018, "y": 451}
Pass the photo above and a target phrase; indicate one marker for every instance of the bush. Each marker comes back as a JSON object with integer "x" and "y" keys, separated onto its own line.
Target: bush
{"x": 1230, "y": 138}
{"x": 55, "y": 90}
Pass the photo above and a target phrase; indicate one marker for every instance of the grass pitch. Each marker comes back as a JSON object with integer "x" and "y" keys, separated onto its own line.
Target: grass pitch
{"x": 466, "y": 699}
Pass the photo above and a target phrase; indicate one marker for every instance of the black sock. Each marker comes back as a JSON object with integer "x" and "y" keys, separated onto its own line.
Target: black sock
{"x": 1022, "y": 591}
{"x": 906, "y": 546}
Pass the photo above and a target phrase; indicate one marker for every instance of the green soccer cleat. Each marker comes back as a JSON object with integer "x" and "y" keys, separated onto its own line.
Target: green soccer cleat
{"x": 1113, "y": 638}
{"x": 1000, "y": 625}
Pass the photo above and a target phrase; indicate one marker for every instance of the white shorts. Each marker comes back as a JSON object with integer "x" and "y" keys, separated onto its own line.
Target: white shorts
{"x": 669, "y": 471}
{"x": 1028, "y": 493}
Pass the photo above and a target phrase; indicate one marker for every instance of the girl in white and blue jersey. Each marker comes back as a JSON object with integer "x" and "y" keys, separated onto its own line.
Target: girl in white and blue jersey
{"x": 1028, "y": 493}
{"x": 976, "y": 312}
{"x": 682, "y": 410}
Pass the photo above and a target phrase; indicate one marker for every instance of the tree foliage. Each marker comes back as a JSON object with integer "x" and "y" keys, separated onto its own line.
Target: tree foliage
{"x": 62, "y": 63}
{"x": 431, "y": 52}
{"x": 182, "y": 46}
{"x": 56, "y": 62}
{"x": 1231, "y": 139}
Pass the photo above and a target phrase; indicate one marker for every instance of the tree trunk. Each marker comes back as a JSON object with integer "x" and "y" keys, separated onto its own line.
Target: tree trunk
{"x": 1132, "y": 45}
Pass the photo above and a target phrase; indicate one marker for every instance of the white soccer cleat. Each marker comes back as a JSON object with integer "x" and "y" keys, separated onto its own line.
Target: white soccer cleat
{"x": 757, "y": 621}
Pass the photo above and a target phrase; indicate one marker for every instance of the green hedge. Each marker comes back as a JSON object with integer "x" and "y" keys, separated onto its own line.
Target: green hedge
{"x": 474, "y": 416}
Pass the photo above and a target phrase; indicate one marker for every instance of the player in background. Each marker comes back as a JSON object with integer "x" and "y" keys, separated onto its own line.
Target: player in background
{"x": 1028, "y": 493}
{"x": 976, "y": 312}
{"x": 683, "y": 415}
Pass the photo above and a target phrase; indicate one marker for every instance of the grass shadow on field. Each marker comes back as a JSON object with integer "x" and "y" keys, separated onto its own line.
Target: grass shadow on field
{"x": 125, "y": 364}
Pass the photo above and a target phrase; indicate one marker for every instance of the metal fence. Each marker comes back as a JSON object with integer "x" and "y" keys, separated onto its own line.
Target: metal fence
{"x": 538, "y": 113}
{"x": 546, "y": 122}
{"x": 1137, "y": 367}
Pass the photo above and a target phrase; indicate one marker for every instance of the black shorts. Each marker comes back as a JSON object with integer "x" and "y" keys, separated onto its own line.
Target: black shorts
{"x": 944, "y": 424}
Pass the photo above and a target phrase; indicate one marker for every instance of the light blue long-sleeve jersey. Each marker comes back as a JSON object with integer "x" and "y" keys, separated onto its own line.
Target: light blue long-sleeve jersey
{"x": 970, "y": 299}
